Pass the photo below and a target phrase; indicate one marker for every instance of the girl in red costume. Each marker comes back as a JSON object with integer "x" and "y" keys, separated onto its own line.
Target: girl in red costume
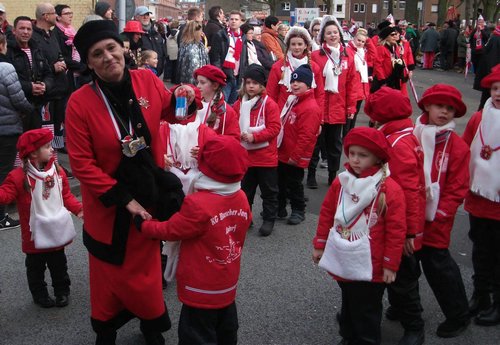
{"x": 391, "y": 111}
{"x": 446, "y": 171}
{"x": 42, "y": 193}
{"x": 338, "y": 76}
{"x": 483, "y": 204}
{"x": 212, "y": 225}
{"x": 216, "y": 112}
{"x": 115, "y": 152}
{"x": 361, "y": 233}
{"x": 298, "y": 43}
{"x": 260, "y": 125}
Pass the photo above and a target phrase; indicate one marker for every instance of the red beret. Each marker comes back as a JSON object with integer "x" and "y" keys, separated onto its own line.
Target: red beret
{"x": 371, "y": 139}
{"x": 444, "y": 94}
{"x": 223, "y": 159}
{"x": 387, "y": 105}
{"x": 31, "y": 141}
{"x": 491, "y": 78}
{"x": 212, "y": 73}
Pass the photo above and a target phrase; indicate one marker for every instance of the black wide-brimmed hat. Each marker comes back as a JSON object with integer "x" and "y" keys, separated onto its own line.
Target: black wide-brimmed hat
{"x": 93, "y": 32}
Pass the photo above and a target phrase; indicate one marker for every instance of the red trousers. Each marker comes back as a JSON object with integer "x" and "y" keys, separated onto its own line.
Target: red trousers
{"x": 428, "y": 59}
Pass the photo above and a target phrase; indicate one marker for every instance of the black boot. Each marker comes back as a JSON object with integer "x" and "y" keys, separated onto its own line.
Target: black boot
{"x": 452, "y": 328}
{"x": 106, "y": 338}
{"x": 266, "y": 227}
{"x": 478, "y": 303}
{"x": 412, "y": 338}
{"x": 311, "y": 179}
{"x": 490, "y": 317}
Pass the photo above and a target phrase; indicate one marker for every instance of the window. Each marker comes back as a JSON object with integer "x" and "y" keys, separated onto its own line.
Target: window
{"x": 402, "y": 5}
{"x": 322, "y": 8}
{"x": 339, "y": 8}
{"x": 374, "y": 8}
{"x": 419, "y": 5}
{"x": 386, "y": 5}
{"x": 285, "y": 6}
{"x": 362, "y": 8}
{"x": 356, "y": 8}
{"x": 434, "y": 8}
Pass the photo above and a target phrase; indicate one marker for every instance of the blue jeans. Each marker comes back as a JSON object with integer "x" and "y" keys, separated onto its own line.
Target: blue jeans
{"x": 230, "y": 91}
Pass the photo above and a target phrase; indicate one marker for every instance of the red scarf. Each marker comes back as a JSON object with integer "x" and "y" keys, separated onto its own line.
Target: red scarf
{"x": 235, "y": 44}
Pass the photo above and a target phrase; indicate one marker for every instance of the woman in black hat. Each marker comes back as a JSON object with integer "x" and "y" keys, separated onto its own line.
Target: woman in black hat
{"x": 113, "y": 126}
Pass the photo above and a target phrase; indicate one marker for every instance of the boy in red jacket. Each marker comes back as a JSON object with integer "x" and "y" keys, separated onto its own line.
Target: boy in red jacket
{"x": 41, "y": 189}
{"x": 446, "y": 171}
{"x": 483, "y": 203}
{"x": 392, "y": 111}
{"x": 212, "y": 225}
{"x": 300, "y": 121}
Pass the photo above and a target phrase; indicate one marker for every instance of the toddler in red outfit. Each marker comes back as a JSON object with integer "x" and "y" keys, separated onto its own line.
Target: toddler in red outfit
{"x": 43, "y": 198}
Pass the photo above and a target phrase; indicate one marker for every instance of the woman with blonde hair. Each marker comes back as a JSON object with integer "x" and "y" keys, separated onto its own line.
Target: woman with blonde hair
{"x": 192, "y": 52}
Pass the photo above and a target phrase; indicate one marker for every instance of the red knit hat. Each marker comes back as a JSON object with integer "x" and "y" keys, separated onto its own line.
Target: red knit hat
{"x": 371, "y": 139}
{"x": 491, "y": 78}
{"x": 223, "y": 159}
{"x": 212, "y": 73}
{"x": 444, "y": 94}
{"x": 387, "y": 105}
{"x": 32, "y": 140}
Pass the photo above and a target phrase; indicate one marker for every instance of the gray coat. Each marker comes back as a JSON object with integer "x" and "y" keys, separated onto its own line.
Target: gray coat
{"x": 429, "y": 42}
{"x": 13, "y": 103}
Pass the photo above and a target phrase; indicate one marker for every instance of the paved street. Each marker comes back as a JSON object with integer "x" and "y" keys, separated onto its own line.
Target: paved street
{"x": 283, "y": 298}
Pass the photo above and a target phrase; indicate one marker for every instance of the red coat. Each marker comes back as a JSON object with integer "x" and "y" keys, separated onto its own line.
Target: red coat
{"x": 267, "y": 156}
{"x": 359, "y": 89}
{"x": 337, "y": 106}
{"x": 95, "y": 153}
{"x": 454, "y": 183}
{"x": 279, "y": 92}
{"x": 12, "y": 189}
{"x": 387, "y": 236}
{"x": 212, "y": 229}
{"x": 300, "y": 131}
{"x": 476, "y": 204}
{"x": 406, "y": 166}
{"x": 383, "y": 65}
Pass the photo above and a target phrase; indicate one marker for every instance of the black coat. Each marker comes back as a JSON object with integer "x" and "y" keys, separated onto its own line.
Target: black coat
{"x": 211, "y": 29}
{"x": 218, "y": 52}
{"x": 49, "y": 45}
{"x": 152, "y": 40}
{"x": 490, "y": 58}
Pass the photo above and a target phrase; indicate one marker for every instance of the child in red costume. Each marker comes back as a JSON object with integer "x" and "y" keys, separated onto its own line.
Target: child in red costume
{"x": 446, "y": 171}
{"x": 216, "y": 113}
{"x": 391, "y": 110}
{"x": 212, "y": 225}
{"x": 361, "y": 233}
{"x": 300, "y": 123}
{"x": 483, "y": 203}
{"x": 260, "y": 125}
{"x": 40, "y": 189}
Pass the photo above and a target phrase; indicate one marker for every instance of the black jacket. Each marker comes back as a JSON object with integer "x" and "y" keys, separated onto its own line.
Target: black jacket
{"x": 38, "y": 71}
{"x": 218, "y": 52}
{"x": 152, "y": 40}
{"x": 211, "y": 29}
{"x": 49, "y": 45}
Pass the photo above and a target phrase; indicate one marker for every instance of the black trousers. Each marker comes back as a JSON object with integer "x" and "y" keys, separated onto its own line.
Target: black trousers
{"x": 485, "y": 236}
{"x": 350, "y": 123}
{"x": 208, "y": 326}
{"x": 290, "y": 186}
{"x": 361, "y": 312}
{"x": 7, "y": 158}
{"x": 319, "y": 148}
{"x": 58, "y": 268}
{"x": 444, "y": 278}
{"x": 333, "y": 140}
{"x": 404, "y": 294}
{"x": 266, "y": 178}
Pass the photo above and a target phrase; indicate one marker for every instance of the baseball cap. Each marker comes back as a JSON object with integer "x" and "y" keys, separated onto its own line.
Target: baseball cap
{"x": 141, "y": 10}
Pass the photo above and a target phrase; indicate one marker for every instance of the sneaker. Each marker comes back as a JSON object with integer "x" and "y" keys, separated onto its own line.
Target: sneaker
{"x": 62, "y": 301}
{"x": 295, "y": 218}
{"x": 311, "y": 181}
{"x": 69, "y": 174}
{"x": 266, "y": 228}
{"x": 323, "y": 164}
{"x": 451, "y": 329}
{"x": 8, "y": 223}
